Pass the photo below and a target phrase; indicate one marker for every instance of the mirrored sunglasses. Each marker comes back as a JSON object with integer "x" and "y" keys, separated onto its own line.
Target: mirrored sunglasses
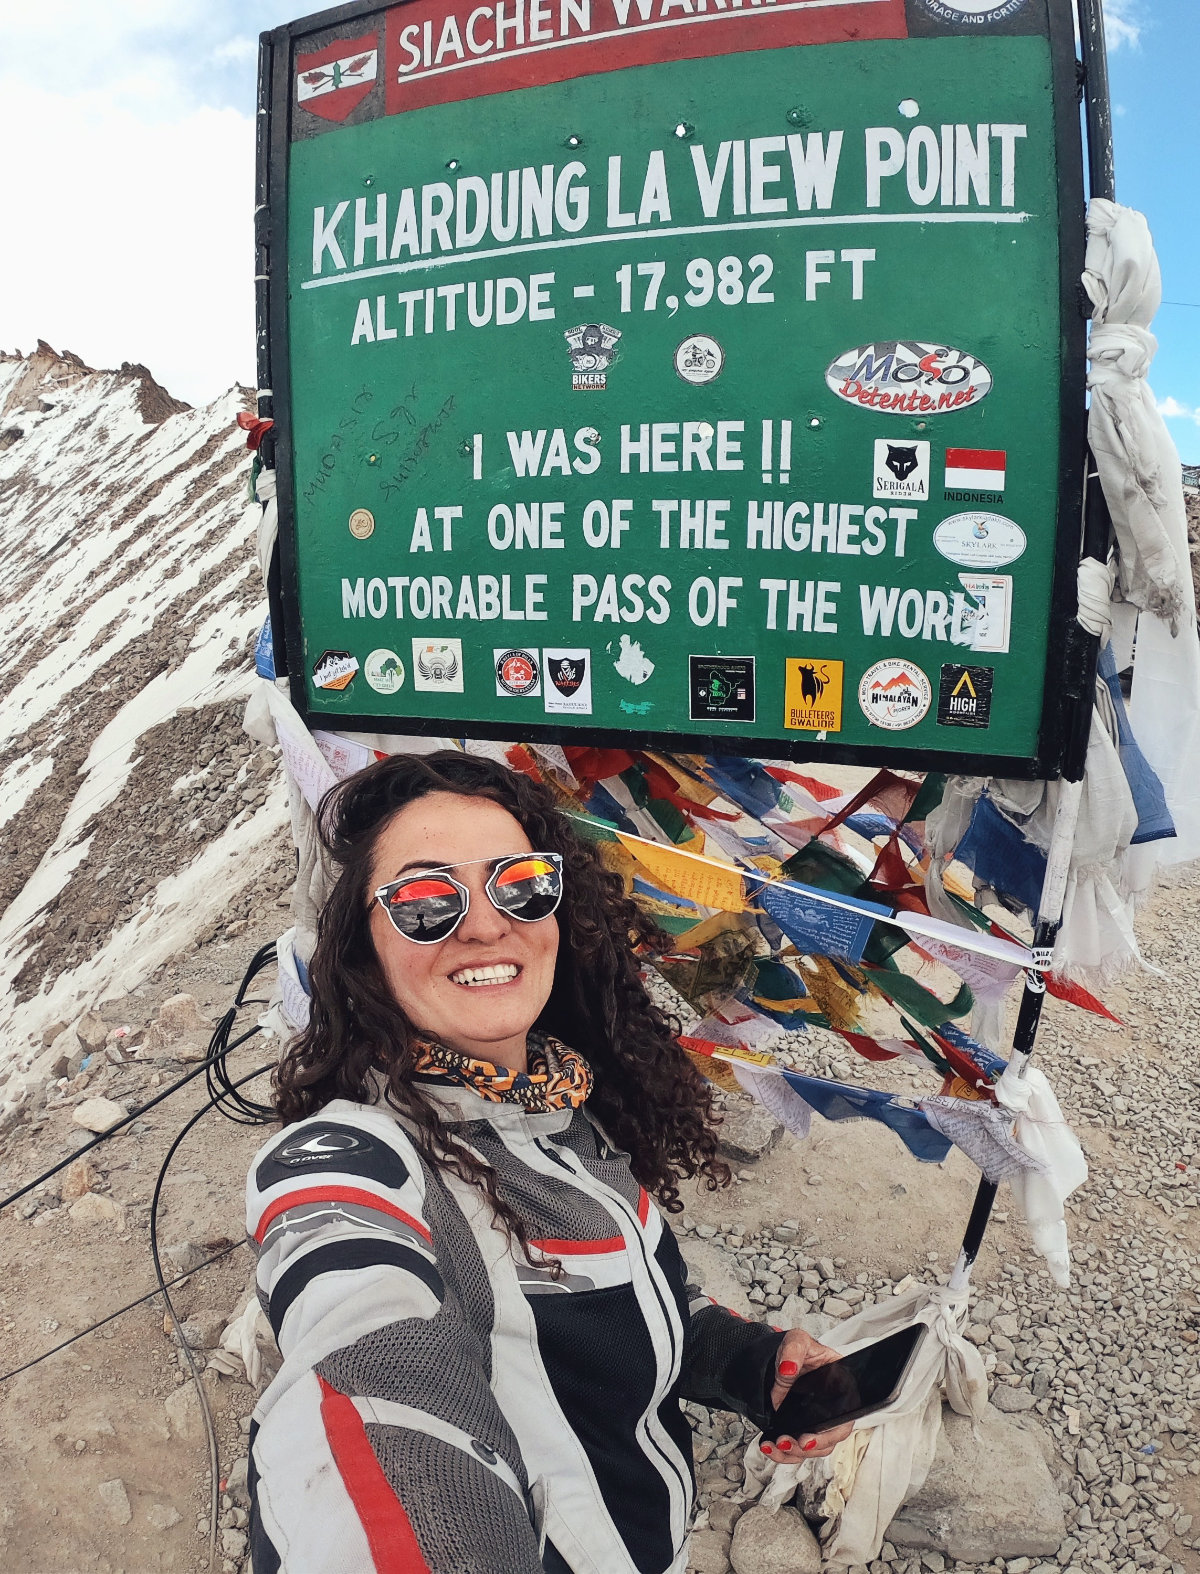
{"x": 429, "y": 906}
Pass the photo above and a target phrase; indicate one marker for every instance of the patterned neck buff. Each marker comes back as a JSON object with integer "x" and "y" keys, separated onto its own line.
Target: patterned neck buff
{"x": 557, "y": 1078}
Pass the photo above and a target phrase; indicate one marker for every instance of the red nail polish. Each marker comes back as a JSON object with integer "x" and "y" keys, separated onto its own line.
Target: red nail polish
{"x": 810, "y": 1445}
{"x": 766, "y": 1447}
{"x": 786, "y": 1446}
{"x": 788, "y": 1368}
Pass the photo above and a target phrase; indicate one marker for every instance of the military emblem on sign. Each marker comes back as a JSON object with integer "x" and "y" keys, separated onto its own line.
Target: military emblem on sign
{"x": 592, "y": 347}
{"x": 333, "y": 81}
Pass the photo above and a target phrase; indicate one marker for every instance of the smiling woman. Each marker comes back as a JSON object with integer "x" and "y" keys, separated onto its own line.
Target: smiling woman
{"x": 486, "y": 1324}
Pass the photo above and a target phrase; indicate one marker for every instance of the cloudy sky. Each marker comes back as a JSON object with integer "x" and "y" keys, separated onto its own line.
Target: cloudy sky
{"x": 127, "y": 211}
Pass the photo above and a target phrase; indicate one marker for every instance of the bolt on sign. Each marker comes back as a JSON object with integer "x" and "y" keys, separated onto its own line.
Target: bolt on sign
{"x": 697, "y": 373}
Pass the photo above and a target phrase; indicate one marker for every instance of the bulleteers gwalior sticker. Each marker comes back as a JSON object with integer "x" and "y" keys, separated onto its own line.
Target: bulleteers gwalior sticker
{"x": 517, "y": 672}
{"x": 334, "y": 80}
{"x": 894, "y": 694}
{"x": 965, "y": 696}
{"x": 437, "y": 666}
{"x": 909, "y": 377}
{"x": 384, "y": 671}
{"x": 699, "y": 359}
{"x": 335, "y": 670}
{"x": 973, "y": 471}
{"x": 593, "y": 348}
{"x": 979, "y": 540}
{"x": 812, "y": 694}
{"x": 721, "y": 688}
{"x": 901, "y": 470}
{"x": 567, "y": 682}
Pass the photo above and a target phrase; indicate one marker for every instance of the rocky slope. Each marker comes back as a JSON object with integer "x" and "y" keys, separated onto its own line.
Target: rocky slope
{"x": 132, "y": 809}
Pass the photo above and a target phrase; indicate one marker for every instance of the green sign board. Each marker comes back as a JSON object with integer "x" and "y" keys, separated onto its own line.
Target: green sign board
{"x": 681, "y": 372}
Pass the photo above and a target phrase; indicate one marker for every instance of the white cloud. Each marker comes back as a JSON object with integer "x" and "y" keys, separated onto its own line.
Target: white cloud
{"x": 1122, "y": 23}
{"x": 1171, "y": 409}
{"x": 134, "y": 241}
{"x": 236, "y": 49}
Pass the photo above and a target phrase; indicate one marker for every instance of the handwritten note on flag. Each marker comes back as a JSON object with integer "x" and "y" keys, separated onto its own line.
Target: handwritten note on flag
{"x": 700, "y": 880}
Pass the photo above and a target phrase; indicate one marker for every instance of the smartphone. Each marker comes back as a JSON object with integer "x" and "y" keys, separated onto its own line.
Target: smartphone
{"x": 847, "y": 1388}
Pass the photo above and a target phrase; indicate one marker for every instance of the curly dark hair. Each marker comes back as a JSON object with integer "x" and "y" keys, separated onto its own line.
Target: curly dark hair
{"x": 647, "y": 1095}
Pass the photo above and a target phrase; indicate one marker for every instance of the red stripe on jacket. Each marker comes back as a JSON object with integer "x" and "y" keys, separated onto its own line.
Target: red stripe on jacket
{"x": 390, "y": 1536}
{"x": 611, "y": 1243}
{"x": 368, "y": 1199}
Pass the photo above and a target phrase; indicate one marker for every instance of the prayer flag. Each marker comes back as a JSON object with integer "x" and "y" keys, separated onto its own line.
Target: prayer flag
{"x": 815, "y": 928}
{"x": 840, "y": 1101}
{"x": 701, "y": 880}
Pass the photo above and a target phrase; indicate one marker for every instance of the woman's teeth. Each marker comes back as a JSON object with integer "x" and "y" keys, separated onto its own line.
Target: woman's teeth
{"x": 502, "y": 973}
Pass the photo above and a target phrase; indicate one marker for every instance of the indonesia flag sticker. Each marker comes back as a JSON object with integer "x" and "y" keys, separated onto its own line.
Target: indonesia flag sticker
{"x": 975, "y": 469}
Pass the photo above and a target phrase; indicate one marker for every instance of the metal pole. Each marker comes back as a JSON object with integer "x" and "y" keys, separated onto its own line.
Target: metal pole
{"x": 1080, "y": 663}
{"x": 1101, "y": 182}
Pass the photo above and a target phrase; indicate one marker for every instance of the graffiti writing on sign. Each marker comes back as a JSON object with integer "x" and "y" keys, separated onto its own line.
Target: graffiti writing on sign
{"x": 334, "y": 445}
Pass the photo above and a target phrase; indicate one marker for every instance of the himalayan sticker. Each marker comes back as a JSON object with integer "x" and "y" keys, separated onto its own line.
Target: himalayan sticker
{"x": 965, "y": 696}
{"x": 981, "y": 618}
{"x": 437, "y": 666}
{"x": 812, "y": 695}
{"x": 384, "y": 671}
{"x": 901, "y": 470}
{"x": 979, "y": 540}
{"x": 894, "y": 694}
{"x": 517, "y": 672}
{"x": 909, "y": 377}
{"x": 721, "y": 688}
{"x": 362, "y": 524}
{"x": 699, "y": 359}
{"x": 567, "y": 682}
{"x": 335, "y": 670}
{"x": 334, "y": 80}
{"x": 975, "y": 475}
{"x": 593, "y": 348}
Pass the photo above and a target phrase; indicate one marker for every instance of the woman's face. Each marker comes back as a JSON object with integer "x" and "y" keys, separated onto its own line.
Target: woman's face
{"x": 436, "y": 985}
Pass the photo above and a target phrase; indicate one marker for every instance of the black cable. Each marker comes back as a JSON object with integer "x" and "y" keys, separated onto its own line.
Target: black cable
{"x": 242, "y": 1111}
{"x": 120, "y": 1126}
{"x": 217, "y": 1051}
{"x": 202, "y": 1396}
{"x": 120, "y": 1312}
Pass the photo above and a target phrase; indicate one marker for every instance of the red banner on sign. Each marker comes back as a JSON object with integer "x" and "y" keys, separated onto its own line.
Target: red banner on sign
{"x": 456, "y": 49}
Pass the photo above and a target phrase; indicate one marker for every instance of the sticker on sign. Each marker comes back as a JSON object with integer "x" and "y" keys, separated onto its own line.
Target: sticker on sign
{"x": 979, "y": 540}
{"x": 894, "y": 694}
{"x": 909, "y": 377}
{"x": 975, "y": 469}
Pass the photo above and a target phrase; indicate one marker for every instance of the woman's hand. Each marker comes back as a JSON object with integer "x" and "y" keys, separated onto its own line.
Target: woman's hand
{"x": 800, "y": 1352}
